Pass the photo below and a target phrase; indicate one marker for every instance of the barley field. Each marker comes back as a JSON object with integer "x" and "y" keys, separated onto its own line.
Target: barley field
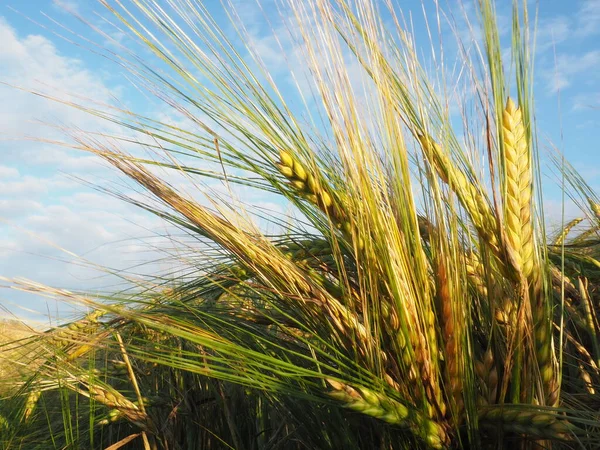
{"x": 412, "y": 297}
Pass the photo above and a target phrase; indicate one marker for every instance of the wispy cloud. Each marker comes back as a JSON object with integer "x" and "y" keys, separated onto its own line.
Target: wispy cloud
{"x": 551, "y": 32}
{"x": 67, "y": 5}
{"x": 568, "y": 67}
{"x": 582, "y": 23}
{"x": 587, "y": 101}
{"x": 588, "y": 19}
{"x": 553, "y": 212}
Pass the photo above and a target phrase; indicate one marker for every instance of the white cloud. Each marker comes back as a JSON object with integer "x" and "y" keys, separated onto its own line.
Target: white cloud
{"x": 8, "y": 247}
{"x": 63, "y": 159}
{"x": 29, "y": 185}
{"x": 34, "y": 63}
{"x": 82, "y": 224}
{"x": 8, "y": 172}
{"x": 47, "y": 210}
{"x": 15, "y": 208}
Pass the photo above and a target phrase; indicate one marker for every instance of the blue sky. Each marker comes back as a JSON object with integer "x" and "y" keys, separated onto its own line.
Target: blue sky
{"x": 45, "y": 209}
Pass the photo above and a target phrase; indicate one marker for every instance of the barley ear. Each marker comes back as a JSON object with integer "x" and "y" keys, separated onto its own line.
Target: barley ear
{"x": 115, "y": 400}
{"x": 520, "y": 236}
{"x": 595, "y": 207}
{"x": 473, "y": 200}
{"x": 31, "y": 403}
{"x": 314, "y": 189}
{"x": 451, "y": 335}
{"x": 534, "y": 424}
{"x": 560, "y": 239}
{"x": 488, "y": 377}
{"x": 519, "y": 175}
{"x": 382, "y": 407}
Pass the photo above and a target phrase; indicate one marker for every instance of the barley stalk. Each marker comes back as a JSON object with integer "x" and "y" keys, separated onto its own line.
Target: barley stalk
{"x": 133, "y": 378}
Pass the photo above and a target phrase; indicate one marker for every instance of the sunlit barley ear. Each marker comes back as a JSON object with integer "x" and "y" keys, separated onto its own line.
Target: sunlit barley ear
{"x": 314, "y": 189}
{"x": 519, "y": 188}
{"x": 595, "y": 207}
{"x": 306, "y": 184}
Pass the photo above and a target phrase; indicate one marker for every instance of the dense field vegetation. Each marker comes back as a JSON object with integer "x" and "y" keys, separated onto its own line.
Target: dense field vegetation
{"x": 413, "y": 298}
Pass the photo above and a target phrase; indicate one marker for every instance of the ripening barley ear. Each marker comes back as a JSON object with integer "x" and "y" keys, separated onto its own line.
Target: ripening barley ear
{"x": 313, "y": 188}
{"x": 391, "y": 411}
{"x": 538, "y": 424}
{"x": 307, "y": 185}
{"x": 31, "y": 403}
{"x": 117, "y": 401}
{"x": 560, "y": 238}
{"x": 450, "y": 315}
{"x": 475, "y": 203}
{"x": 488, "y": 376}
{"x": 595, "y": 207}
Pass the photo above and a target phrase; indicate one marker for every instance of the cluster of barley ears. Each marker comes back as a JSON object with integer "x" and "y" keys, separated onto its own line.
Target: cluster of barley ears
{"x": 410, "y": 300}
